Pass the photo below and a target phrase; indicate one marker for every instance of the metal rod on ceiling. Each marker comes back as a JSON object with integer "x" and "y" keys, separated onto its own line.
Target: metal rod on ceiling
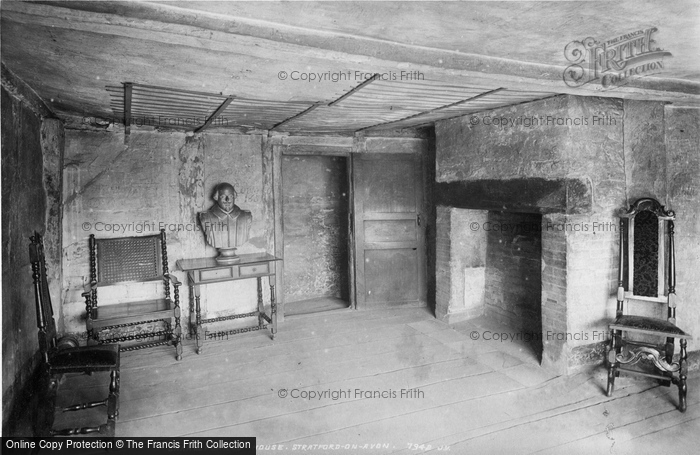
{"x": 216, "y": 114}
{"x": 304, "y": 112}
{"x": 128, "y": 87}
{"x": 320, "y": 103}
{"x": 374, "y": 77}
{"x": 168, "y": 89}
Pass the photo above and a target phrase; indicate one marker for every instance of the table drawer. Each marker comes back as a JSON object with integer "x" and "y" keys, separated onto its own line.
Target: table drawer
{"x": 254, "y": 270}
{"x": 216, "y": 274}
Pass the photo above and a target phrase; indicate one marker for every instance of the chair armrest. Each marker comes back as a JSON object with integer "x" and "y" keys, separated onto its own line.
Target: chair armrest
{"x": 173, "y": 279}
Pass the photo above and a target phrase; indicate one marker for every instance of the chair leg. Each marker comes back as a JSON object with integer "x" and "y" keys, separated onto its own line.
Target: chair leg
{"x": 177, "y": 337}
{"x": 669, "y": 348}
{"x": 112, "y": 408}
{"x": 682, "y": 386}
{"x": 611, "y": 381}
{"x": 612, "y": 362}
{"x": 112, "y": 404}
{"x": 108, "y": 429}
{"x": 114, "y": 394}
{"x": 192, "y": 324}
{"x": 43, "y": 420}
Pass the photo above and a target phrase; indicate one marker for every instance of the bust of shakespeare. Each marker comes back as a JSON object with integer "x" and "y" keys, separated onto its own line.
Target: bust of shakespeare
{"x": 226, "y": 226}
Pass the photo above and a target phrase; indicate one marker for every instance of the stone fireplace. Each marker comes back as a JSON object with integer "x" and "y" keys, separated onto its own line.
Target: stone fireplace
{"x": 526, "y": 229}
{"x": 573, "y": 174}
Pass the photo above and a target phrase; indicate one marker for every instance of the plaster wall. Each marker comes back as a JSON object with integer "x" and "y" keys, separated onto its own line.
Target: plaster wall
{"x": 159, "y": 180}
{"x": 682, "y": 139}
{"x": 32, "y": 148}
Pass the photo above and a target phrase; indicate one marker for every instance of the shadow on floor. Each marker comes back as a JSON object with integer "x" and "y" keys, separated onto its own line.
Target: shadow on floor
{"x": 317, "y": 305}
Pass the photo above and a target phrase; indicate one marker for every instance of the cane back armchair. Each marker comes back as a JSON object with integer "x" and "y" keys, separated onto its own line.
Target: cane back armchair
{"x": 647, "y": 275}
{"x": 128, "y": 261}
{"x": 62, "y": 357}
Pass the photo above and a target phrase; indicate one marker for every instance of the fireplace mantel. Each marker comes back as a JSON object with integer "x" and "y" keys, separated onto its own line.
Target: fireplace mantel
{"x": 568, "y": 196}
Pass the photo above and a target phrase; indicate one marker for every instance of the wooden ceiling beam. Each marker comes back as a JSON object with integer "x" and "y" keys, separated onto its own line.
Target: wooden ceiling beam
{"x": 382, "y": 49}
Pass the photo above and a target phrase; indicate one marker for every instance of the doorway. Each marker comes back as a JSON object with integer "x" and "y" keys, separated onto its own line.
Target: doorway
{"x": 315, "y": 217}
{"x": 390, "y": 222}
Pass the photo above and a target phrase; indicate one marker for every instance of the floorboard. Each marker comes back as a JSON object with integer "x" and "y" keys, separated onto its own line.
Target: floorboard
{"x": 316, "y": 305}
{"x": 390, "y": 381}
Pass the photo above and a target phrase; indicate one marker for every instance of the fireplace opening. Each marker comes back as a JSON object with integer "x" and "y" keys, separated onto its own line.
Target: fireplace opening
{"x": 489, "y": 274}
{"x": 513, "y": 276}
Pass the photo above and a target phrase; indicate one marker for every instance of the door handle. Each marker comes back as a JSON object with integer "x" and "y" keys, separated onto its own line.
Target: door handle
{"x": 418, "y": 219}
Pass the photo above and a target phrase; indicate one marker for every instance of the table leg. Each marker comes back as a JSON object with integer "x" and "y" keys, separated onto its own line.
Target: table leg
{"x": 198, "y": 321}
{"x": 193, "y": 321}
{"x": 273, "y": 305}
{"x": 261, "y": 305}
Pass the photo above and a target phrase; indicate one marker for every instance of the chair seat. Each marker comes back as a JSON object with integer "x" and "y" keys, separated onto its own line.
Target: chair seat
{"x": 85, "y": 358}
{"x": 124, "y": 313}
{"x": 644, "y": 324}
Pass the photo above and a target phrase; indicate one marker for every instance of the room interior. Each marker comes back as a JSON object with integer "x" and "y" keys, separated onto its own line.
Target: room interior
{"x": 423, "y": 173}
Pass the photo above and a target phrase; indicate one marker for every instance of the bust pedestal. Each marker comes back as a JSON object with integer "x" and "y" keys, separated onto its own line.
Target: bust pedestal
{"x": 227, "y": 256}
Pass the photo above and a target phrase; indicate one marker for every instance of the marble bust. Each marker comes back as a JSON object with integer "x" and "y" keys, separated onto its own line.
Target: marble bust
{"x": 226, "y": 226}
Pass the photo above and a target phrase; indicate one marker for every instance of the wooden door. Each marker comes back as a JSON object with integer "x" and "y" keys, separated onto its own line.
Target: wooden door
{"x": 390, "y": 261}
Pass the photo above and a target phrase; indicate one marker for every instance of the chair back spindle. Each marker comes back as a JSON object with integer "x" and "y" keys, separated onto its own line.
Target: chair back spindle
{"x": 42, "y": 297}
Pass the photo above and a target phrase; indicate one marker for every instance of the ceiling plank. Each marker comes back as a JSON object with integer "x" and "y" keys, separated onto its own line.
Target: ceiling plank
{"x": 432, "y": 111}
{"x": 236, "y": 48}
{"x": 355, "y": 89}
{"x": 299, "y": 115}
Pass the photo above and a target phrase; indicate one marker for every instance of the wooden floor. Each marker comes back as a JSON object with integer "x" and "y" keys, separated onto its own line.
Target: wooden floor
{"x": 471, "y": 396}
{"x": 316, "y": 305}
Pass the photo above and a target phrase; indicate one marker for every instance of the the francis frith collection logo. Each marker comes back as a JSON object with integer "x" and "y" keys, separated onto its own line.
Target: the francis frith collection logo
{"x": 615, "y": 61}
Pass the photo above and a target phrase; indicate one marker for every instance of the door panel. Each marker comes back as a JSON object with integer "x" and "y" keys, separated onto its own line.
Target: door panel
{"x": 389, "y": 238}
{"x": 390, "y": 276}
{"x": 389, "y": 186}
{"x": 390, "y": 231}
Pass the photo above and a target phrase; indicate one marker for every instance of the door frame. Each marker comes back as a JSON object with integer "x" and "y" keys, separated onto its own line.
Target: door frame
{"x": 278, "y": 152}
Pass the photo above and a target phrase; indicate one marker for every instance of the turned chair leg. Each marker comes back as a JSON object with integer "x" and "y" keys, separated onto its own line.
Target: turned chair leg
{"x": 114, "y": 394}
{"x": 669, "y": 348}
{"x": 682, "y": 386}
{"x": 612, "y": 362}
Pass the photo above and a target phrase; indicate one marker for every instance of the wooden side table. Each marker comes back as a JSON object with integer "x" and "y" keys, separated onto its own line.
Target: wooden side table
{"x": 207, "y": 270}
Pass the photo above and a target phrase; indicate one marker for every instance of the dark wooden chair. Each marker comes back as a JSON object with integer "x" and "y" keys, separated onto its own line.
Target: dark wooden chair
{"x": 132, "y": 260}
{"x": 61, "y": 357}
{"x": 647, "y": 261}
